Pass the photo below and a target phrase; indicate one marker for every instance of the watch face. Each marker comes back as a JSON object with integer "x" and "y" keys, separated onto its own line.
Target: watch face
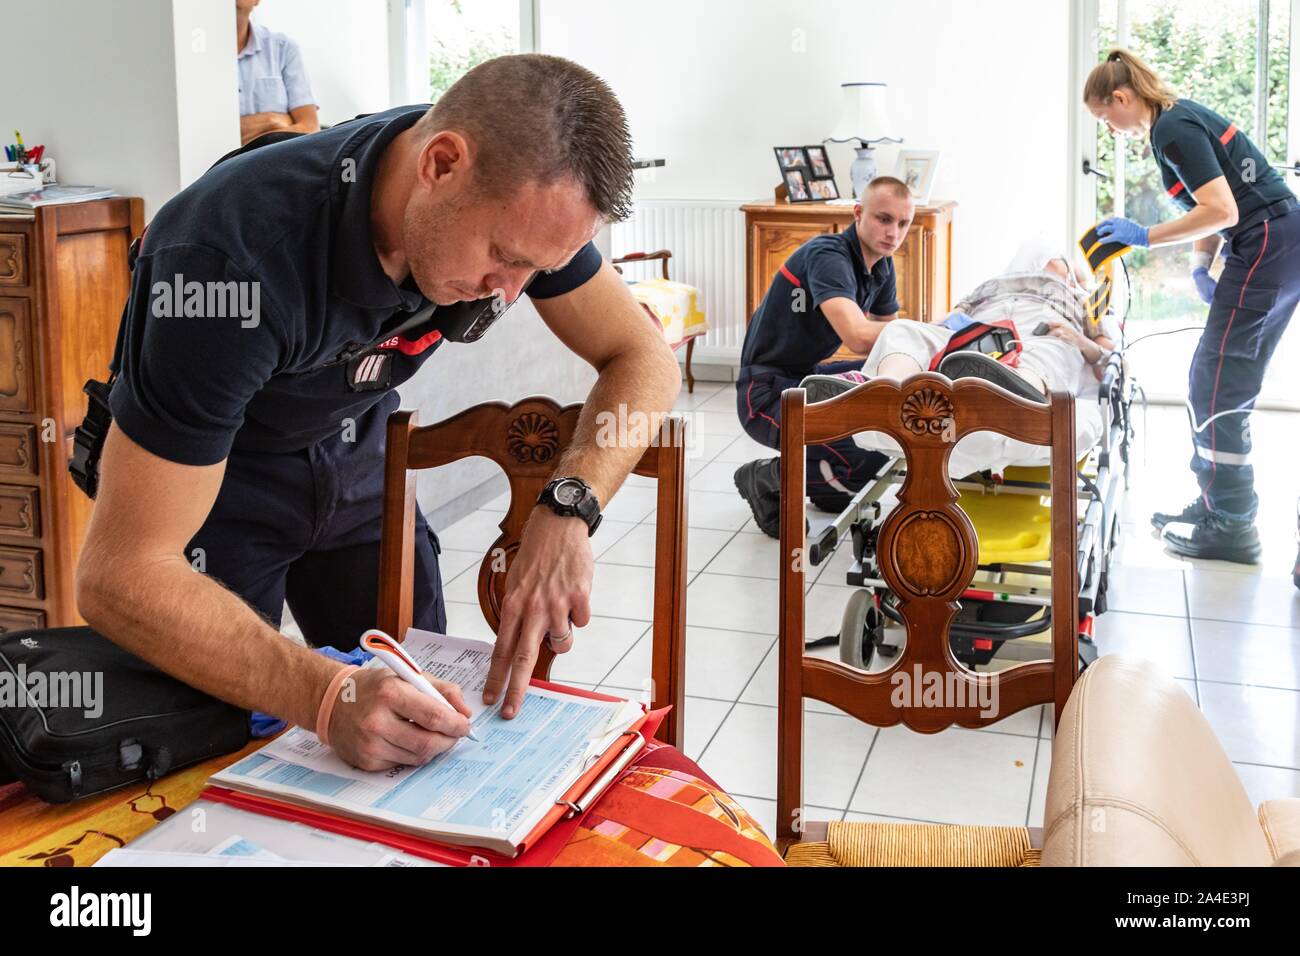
{"x": 569, "y": 492}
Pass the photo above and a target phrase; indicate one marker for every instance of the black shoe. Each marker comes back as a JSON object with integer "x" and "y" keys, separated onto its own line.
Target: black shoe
{"x": 1214, "y": 537}
{"x": 1189, "y": 515}
{"x": 819, "y": 388}
{"x": 832, "y": 504}
{"x": 967, "y": 364}
{"x": 759, "y": 483}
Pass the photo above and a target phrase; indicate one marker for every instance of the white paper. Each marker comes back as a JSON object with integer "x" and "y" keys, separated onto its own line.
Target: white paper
{"x": 498, "y": 786}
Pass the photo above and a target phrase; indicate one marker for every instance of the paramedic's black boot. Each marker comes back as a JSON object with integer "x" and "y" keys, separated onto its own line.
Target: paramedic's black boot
{"x": 823, "y": 387}
{"x": 967, "y": 364}
{"x": 1189, "y": 515}
{"x": 1214, "y": 537}
{"x": 759, "y": 483}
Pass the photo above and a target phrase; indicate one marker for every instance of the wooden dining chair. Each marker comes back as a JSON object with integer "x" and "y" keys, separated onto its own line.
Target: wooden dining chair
{"x": 927, "y": 552}
{"x": 526, "y": 441}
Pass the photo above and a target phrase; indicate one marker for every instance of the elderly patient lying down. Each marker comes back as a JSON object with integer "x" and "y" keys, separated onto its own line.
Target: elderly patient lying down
{"x": 1040, "y": 294}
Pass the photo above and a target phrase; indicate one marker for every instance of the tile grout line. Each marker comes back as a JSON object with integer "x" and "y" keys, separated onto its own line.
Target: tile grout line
{"x": 862, "y": 771}
{"x": 1187, "y": 606}
{"x": 1033, "y": 776}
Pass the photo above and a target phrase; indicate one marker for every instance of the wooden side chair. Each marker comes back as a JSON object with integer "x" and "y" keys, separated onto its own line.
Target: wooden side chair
{"x": 674, "y": 305}
{"x": 927, "y": 552}
{"x": 526, "y": 440}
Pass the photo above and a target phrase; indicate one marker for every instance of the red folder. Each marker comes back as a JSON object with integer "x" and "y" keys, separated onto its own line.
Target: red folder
{"x": 539, "y": 848}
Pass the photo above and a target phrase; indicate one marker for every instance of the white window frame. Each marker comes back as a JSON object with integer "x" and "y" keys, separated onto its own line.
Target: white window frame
{"x": 408, "y": 50}
{"x": 1084, "y": 54}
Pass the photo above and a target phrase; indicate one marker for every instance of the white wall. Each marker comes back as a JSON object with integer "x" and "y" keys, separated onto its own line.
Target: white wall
{"x": 713, "y": 86}
{"x": 208, "y": 81}
{"x": 123, "y": 96}
{"x": 344, "y": 44}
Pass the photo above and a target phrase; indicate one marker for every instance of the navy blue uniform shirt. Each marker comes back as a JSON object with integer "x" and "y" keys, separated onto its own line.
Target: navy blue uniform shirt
{"x": 1195, "y": 145}
{"x": 789, "y": 332}
{"x": 289, "y": 225}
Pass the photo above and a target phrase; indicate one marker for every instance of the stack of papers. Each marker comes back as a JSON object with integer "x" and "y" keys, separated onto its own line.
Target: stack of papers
{"x": 54, "y": 195}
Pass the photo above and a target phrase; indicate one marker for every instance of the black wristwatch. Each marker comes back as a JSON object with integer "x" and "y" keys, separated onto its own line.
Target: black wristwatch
{"x": 571, "y": 497}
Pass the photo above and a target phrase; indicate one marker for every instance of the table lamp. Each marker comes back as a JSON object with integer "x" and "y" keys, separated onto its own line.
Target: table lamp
{"x": 863, "y": 118}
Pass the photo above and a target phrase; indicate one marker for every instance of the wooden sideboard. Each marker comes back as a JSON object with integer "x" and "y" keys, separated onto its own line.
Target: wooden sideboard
{"x": 922, "y": 265}
{"x": 63, "y": 281}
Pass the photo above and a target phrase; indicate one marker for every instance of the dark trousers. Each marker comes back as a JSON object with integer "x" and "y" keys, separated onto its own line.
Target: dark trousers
{"x": 304, "y": 526}
{"x": 758, "y": 403}
{"x": 1256, "y": 296}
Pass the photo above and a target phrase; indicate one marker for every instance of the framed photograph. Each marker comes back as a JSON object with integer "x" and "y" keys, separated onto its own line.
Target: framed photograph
{"x": 823, "y": 189}
{"x": 796, "y": 186}
{"x": 791, "y": 157}
{"x": 806, "y": 172}
{"x": 818, "y": 164}
{"x": 917, "y": 167}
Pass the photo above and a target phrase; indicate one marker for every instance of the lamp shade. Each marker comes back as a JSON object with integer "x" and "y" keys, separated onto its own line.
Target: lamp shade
{"x": 863, "y": 115}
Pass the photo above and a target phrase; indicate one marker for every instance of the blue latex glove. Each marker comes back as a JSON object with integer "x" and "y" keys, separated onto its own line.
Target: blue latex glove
{"x": 1116, "y": 229}
{"x": 1205, "y": 285}
{"x": 264, "y": 725}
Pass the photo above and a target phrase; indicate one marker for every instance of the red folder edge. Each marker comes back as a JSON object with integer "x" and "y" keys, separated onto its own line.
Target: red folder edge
{"x": 542, "y": 845}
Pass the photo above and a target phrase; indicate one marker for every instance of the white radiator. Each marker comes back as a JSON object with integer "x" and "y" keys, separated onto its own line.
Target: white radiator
{"x": 707, "y": 240}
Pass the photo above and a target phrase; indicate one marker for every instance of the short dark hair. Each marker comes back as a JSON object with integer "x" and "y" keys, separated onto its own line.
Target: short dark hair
{"x": 897, "y": 188}
{"x": 539, "y": 118}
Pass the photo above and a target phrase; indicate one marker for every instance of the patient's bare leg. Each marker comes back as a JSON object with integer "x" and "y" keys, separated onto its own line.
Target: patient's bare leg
{"x": 898, "y": 366}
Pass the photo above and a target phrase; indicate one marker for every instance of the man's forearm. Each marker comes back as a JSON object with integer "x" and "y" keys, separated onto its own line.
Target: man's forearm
{"x": 188, "y": 625}
{"x": 255, "y": 124}
{"x": 620, "y": 419}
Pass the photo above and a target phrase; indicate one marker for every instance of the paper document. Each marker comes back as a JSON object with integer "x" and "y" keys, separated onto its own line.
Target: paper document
{"x": 491, "y": 792}
{"x": 207, "y": 833}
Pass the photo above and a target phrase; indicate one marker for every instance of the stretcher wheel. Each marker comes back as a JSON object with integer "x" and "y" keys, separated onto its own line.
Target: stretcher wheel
{"x": 861, "y": 630}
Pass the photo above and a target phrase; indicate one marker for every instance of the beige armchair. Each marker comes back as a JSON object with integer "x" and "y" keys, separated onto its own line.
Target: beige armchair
{"x": 1139, "y": 779}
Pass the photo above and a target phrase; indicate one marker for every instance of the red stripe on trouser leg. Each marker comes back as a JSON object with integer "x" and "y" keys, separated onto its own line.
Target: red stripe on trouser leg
{"x": 1223, "y": 344}
{"x": 750, "y": 405}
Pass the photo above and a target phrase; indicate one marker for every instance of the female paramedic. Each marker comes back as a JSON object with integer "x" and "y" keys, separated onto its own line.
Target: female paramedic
{"x": 1212, "y": 169}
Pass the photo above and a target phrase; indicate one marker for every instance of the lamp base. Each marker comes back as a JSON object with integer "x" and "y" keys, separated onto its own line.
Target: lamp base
{"x": 863, "y": 171}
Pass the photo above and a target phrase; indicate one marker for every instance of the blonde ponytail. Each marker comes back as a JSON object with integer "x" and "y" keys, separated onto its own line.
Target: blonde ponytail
{"x": 1122, "y": 68}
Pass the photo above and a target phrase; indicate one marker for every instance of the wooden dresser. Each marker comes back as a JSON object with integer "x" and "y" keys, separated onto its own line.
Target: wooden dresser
{"x": 923, "y": 264}
{"x": 63, "y": 281}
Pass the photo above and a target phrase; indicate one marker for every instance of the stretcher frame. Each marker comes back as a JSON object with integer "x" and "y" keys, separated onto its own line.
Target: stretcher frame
{"x": 995, "y": 610}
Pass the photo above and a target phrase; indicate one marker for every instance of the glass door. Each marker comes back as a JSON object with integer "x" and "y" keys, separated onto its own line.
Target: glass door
{"x": 1234, "y": 57}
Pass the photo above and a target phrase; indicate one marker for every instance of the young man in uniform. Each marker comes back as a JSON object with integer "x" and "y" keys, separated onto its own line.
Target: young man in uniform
{"x": 834, "y": 290}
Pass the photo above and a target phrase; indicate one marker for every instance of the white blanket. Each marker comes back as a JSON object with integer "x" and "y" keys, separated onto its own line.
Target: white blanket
{"x": 994, "y": 452}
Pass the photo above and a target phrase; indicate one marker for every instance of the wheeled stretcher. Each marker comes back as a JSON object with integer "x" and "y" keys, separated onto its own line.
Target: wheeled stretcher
{"x": 1008, "y": 504}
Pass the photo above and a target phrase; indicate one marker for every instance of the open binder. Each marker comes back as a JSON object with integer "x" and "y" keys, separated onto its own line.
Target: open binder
{"x": 533, "y": 777}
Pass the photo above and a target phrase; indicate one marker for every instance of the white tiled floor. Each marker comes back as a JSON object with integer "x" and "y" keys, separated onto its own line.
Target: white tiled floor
{"x": 1229, "y": 633}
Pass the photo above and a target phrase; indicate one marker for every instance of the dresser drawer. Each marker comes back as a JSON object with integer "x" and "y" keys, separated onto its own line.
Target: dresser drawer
{"x": 17, "y": 450}
{"x": 20, "y": 573}
{"x": 17, "y": 359}
{"x": 13, "y": 259}
{"x": 20, "y": 619}
{"x": 20, "y": 512}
